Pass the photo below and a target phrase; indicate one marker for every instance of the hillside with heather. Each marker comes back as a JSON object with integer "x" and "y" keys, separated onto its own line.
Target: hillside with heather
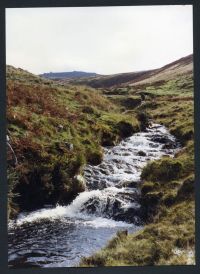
{"x": 70, "y": 142}
{"x": 54, "y": 130}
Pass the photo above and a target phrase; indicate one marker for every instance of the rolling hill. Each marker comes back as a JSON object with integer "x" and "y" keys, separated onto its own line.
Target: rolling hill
{"x": 170, "y": 71}
{"x": 68, "y": 75}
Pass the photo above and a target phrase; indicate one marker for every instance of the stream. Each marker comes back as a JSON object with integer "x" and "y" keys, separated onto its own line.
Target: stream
{"x": 59, "y": 236}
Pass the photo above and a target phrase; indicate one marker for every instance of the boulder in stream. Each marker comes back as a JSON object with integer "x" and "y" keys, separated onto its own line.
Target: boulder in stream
{"x": 141, "y": 153}
{"x": 163, "y": 139}
{"x": 169, "y": 145}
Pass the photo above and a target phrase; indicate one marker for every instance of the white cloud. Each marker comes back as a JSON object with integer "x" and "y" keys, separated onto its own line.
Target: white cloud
{"x": 103, "y": 40}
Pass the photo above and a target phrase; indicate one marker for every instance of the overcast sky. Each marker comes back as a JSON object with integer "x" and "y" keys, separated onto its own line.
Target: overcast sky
{"x": 104, "y": 40}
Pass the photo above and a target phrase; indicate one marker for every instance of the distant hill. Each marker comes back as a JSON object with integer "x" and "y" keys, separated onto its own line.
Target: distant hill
{"x": 168, "y": 72}
{"x": 68, "y": 75}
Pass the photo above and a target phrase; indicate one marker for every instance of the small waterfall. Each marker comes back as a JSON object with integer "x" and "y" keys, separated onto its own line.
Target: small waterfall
{"x": 94, "y": 203}
{"x": 113, "y": 191}
{"x": 60, "y": 236}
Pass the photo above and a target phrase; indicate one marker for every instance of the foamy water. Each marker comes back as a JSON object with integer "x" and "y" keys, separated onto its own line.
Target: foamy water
{"x": 75, "y": 209}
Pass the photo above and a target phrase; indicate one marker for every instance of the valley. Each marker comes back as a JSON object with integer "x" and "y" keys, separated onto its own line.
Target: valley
{"x": 109, "y": 137}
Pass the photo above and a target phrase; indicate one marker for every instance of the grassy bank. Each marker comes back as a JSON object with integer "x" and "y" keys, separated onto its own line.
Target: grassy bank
{"x": 54, "y": 129}
{"x": 167, "y": 189}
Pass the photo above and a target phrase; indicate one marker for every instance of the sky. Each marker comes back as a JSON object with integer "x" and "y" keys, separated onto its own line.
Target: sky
{"x": 105, "y": 40}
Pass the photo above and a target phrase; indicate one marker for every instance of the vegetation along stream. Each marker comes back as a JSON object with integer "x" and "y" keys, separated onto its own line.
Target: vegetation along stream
{"x": 62, "y": 235}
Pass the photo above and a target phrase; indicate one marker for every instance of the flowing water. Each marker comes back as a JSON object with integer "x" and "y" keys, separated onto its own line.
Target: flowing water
{"x": 60, "y": 236}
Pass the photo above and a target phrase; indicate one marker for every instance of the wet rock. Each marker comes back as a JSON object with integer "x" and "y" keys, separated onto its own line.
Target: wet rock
{"x": 104, "y": 171}
{"x": 117, "y": 161}
{"x": 131, "y": 215}
{"x": 163, "y": 139}
{"x": 169, "y": 145}
{"x": 153, "y": 145}
{"x": 141, "y": 153}
{"x": 129, "y": 171}
{"x": 88, "y": 170}
{"x": 96, "y": 173}
{"x": 96, "y": 183}
{"x": 131, "y": 184}
{"x": 126, "y": 154}
{"x": 110, "y": 168}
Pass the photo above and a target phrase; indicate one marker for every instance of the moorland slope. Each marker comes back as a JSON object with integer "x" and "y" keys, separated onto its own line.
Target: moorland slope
{"x": 55, "y": 127}
{"x": 53, "y": 130}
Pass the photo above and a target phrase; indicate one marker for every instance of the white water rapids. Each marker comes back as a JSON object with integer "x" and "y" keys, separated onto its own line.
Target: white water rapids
{"x": 60, "y": 236}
